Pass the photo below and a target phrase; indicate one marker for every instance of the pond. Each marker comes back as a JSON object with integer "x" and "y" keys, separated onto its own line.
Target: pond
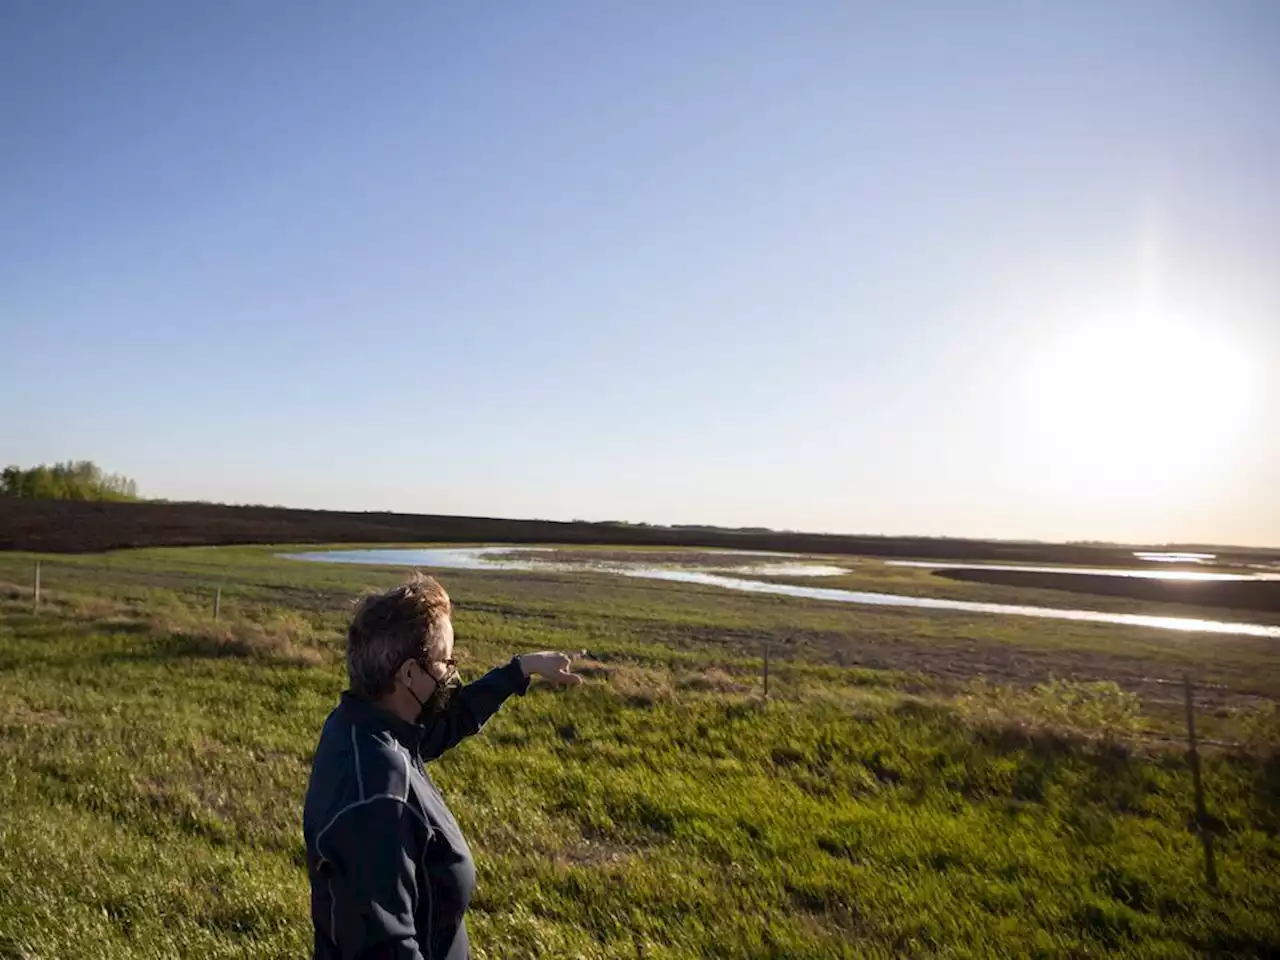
{"x": 730, "y": 576}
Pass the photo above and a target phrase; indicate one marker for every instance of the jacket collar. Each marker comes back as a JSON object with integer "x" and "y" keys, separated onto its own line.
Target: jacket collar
{"x": 371, "y": 717}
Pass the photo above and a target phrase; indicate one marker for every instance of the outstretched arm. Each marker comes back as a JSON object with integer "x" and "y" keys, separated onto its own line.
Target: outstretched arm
{"x": 476, "y": 702}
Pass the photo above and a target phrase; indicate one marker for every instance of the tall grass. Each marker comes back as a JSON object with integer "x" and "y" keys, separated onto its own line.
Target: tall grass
{"x": 152, "y": 766}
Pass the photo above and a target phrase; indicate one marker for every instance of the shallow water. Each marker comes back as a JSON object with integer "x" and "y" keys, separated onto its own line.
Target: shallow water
{"x": 1094, "y": 571}
{"x": 1152, "y": 556}
{"x": 483, "y": 558}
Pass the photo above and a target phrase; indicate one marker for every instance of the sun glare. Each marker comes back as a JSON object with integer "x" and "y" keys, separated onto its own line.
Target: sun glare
{"x": 1143, "y": 405}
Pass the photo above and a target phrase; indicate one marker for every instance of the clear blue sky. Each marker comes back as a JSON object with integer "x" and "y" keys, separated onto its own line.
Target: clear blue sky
{"x": 1001, "y": 269}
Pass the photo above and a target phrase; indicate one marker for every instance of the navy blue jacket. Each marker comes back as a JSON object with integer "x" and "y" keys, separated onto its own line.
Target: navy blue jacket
{"x": 391, "y": 874}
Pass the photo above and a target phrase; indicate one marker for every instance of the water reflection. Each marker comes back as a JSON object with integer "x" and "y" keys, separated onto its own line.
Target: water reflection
{"x": 1092, "y": 571}
{"x": 1164, "y": 557}
{"x": 488, "y": 558}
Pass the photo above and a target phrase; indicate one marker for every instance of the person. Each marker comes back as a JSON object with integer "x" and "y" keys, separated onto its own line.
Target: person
{"x": 391, "y": 875}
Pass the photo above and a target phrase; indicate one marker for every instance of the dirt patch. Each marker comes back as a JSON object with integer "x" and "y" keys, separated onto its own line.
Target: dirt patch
{"x": 588, "y": 852}
{"x": 19, "y": 714}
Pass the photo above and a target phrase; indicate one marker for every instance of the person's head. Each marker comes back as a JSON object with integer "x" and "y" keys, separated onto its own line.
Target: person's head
{"x": 400, "y": 647}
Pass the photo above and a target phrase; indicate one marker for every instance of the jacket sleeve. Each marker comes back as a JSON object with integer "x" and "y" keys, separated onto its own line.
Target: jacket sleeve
{"x": 471, "y": 707}
{"x": 372, "y": 851}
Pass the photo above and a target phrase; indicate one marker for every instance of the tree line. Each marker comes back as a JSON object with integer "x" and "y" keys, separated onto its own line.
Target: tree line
{"x": 72, "y": 480}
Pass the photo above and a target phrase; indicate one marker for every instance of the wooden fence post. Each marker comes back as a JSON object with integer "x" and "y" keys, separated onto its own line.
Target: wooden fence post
{"x": 217, "y": 603}
{"x": 1202, "y": 817}
{"x": 37, "y": 587}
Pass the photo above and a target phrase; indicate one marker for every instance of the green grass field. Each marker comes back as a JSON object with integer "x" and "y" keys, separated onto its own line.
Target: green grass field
{"x": 916, "y": 784}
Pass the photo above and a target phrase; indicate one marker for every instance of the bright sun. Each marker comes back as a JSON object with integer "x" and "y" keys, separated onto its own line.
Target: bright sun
{"x": 1140, "y": 405}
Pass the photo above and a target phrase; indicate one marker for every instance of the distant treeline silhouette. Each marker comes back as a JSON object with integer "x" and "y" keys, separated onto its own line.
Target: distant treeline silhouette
{"x": 73, "y": 480}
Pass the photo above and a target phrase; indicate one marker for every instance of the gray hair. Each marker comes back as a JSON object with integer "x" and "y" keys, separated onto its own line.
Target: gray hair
{"x": 390, "y": 628}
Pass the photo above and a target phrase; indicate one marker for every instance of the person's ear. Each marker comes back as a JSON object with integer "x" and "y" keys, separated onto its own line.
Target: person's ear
{"x": 405, "y": 673}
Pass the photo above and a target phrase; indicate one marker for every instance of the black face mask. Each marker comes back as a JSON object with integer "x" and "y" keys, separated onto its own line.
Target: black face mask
{"x": 439, "y": 700}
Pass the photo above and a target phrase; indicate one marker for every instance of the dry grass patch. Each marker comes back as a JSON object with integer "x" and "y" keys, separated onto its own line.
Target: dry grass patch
{"x": 594, "y": 852}
{"x": 714, "y": 680}
{"x": 586, "y": 667}
{"x": 1096, "y": 708}
{"x": 19, "y": 714}
{"x": 287, "y": 641}
{"x": 73, "y": 606}
{"x": 13, "y": 591}
{"x": 642, "y": 686}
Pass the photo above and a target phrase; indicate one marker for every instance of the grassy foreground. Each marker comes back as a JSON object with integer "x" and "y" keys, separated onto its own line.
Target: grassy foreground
{"x": 916, "y": 784}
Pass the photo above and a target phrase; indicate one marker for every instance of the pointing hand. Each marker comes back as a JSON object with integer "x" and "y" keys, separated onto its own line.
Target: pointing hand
{"x": 550, "y": 665}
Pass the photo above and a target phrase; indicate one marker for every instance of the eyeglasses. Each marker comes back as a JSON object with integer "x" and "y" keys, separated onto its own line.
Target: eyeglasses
{"x": 451, "y": 664}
